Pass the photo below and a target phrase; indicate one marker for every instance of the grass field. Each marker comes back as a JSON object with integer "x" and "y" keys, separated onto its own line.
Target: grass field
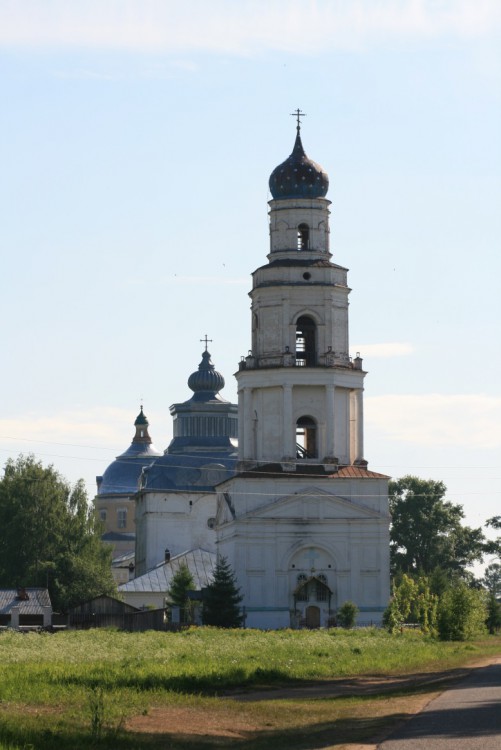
{"x": 102, "y": 688}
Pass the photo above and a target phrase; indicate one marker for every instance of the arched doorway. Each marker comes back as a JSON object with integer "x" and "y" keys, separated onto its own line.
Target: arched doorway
{"x": 314, "y": 589}
{"x": 312, "y": 617}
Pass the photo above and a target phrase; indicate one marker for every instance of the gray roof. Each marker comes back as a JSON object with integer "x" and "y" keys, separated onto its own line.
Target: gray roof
{"x": 37, "y": 598}
{"x": 200, "y": 562}
{"x": 126, "y": 557}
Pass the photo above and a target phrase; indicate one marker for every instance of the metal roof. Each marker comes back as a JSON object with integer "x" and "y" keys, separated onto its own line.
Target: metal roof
{"x": 33, "y": 605}
{"x": 200, "y": 563}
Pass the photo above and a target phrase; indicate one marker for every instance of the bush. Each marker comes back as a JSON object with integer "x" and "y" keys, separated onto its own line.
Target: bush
{"x": 462, "y": 613}
{"x": 347, "y": 615}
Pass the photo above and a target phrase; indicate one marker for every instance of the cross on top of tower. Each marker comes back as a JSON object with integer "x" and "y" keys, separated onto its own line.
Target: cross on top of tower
{"x": 297, "y": 113}
{"x": 205, "y": 341}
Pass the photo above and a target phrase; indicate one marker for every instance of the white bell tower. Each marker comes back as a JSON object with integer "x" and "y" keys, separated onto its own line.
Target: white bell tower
{"x": 303, "y": 523}
{"x": 300, "y": 396}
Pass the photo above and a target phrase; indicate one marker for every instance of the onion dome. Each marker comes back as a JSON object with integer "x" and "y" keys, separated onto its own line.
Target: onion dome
{"x": 206, "y": 381}
{"x": 298, "y": 176}
{"x": 141, "y": 419}
{"x": 121, "y": 476}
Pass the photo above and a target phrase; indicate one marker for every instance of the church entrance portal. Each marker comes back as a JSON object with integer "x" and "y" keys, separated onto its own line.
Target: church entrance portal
{"x": 312, "y": 617}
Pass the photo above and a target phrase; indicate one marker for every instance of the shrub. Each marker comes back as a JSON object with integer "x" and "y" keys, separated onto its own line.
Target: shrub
{"x": 347, "y": 615}
{"x": 462, "y": 613}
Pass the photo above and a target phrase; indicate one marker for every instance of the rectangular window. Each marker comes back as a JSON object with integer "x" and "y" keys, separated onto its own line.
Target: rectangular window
{"x": 122, "y": 518}
{"x": 102, "y": 514}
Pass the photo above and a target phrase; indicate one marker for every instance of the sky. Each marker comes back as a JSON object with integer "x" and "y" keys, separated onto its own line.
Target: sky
{"x": 136, "y": 142}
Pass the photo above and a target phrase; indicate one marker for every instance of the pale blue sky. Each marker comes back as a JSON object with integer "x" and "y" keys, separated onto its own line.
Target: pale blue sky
{"x": 136, "y": 142}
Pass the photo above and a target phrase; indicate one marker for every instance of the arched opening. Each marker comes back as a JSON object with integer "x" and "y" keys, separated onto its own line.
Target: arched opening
{"x": 306, "y": 438}
{"x": 310, "y": 594}
{"x": 303, "y": 237}
{"x": 312, "y": 617}
{"x": 302, "y": 589}
{"x": 306, "y": 345}
{"x": 322, "y": 591}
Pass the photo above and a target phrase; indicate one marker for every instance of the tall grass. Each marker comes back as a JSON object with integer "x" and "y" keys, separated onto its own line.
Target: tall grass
{"x": 88, "y": 681}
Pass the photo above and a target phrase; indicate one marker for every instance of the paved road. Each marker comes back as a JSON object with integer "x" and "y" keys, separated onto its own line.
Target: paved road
{"x": 465, "y": 717}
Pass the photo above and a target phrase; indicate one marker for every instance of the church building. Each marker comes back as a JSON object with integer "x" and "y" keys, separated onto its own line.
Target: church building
{"x": 295, "y": 510}
{"x": 303, "y": 523}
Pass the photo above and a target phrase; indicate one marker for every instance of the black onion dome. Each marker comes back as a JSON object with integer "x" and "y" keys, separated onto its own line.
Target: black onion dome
{"x": 141, "y": 419}
{"x": 298, "y": 176}
{"x": 207, "y": 378}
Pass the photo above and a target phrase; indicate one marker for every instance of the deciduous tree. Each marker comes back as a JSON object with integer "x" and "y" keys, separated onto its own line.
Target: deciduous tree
{"x": 492, "y": 579}
{"x": 49, "y": 535}
{"x": 426, "y": 531}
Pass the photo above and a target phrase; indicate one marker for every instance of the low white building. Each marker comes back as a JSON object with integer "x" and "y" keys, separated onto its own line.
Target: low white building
{"x": 25, "y": 608}
{"x": 151, "y": 588}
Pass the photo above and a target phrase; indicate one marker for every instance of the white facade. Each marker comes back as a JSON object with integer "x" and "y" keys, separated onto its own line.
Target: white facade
{"x": 302, "y": 521}
{"x": 304, "y": 524}
{"x": 278, "y": 532}
{"x": 176, "y": 521}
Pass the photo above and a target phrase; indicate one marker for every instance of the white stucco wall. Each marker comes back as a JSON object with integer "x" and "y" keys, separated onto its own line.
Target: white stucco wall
{"x": 307, "y": 531}
{"x": 177, "y": 521}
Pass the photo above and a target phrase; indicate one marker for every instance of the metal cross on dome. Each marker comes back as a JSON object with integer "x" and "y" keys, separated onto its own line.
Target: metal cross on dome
{"x": 297, "y": 113}
{"x": 205, "y": 341}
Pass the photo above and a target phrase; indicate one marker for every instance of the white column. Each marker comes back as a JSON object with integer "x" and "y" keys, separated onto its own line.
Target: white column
{"x": 248, "y": 447}
{"x": 360, "y": 422}
{"x": 356, "y": 425}
{"x": 329, "y": 421}
{"x": 14, "y": 617}
{"x": 288, "y": 429}
{"x": 47, "y": 617}
{"x": 241, "y": 421}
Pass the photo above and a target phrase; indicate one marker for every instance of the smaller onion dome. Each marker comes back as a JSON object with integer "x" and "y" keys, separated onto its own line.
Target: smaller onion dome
{"x": 206, "y": 380}
{"x": 298, "y": 176}
{"x": 121, "y": 476}
{"x": 141, "y": 419}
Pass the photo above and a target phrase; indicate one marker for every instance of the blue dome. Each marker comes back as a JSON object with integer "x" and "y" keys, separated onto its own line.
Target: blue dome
{"x": 191, "y": 472}
{"x": 122, "y": 476}
{"x": 206, "y": 382}
{"x": 298, "y": 176}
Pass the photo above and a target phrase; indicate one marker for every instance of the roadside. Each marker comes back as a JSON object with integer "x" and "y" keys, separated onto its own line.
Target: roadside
{"x": 365, "y": 711}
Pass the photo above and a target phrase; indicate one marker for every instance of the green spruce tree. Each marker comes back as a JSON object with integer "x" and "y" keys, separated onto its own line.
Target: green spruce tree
{"x": 222, "y": 598}
{"x": 177, "y": 594}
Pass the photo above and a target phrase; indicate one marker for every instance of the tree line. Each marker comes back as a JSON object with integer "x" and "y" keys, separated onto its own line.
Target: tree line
{"x": 430, "y": 553}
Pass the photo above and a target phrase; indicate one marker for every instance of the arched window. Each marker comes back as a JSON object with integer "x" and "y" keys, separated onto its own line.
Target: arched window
{"x": 306, "y": 345}
{"x": 303, "y": 237}
{"x": 306, "y": 438}
{"x": 302, "y": 588}
{"x": 321, "y": 590}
